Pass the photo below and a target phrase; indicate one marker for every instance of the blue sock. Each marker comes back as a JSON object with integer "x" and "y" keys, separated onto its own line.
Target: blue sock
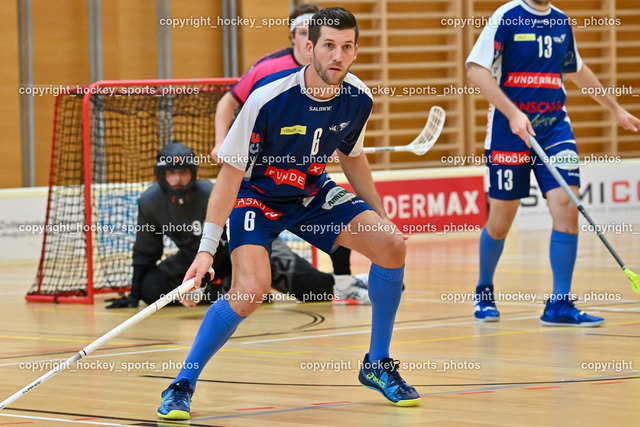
{"x": 490, "y": 251}
{"x": 562, "y": 253}
{"x": 219, "y": 323}
{"x": 385, "y": 290}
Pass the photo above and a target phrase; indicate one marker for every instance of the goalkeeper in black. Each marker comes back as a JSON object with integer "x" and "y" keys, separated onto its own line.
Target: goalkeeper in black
{"x": 174, "y": 207}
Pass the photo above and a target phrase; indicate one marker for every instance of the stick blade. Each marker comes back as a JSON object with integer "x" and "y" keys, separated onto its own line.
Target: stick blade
{"x": 430, "y": 132}
{"x": 634, "y": 278}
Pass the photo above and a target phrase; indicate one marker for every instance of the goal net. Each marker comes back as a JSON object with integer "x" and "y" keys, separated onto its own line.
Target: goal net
{"x": 105, "y": 140}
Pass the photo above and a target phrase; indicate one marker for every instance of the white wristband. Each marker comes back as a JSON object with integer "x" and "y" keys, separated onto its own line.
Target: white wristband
{"x": 211, "y": 234}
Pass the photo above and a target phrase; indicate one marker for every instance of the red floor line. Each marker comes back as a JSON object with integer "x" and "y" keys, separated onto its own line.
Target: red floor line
{"x": 476, "y": 392}
{"x": 329, "y": 403}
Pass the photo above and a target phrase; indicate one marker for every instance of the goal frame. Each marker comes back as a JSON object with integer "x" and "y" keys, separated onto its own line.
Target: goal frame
{"x": 86, "y": 144}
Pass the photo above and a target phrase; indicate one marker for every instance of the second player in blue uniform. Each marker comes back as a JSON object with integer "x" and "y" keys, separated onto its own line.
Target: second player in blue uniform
{"x": 519, "y": 62}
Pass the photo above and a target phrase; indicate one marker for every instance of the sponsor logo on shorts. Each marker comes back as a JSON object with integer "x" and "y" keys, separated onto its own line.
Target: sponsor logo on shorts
{"x": 566, "y": 160}
{"x": 510, "y": 157}
{"x": 245, "y": 202}
{"x": 336, "y": 196}
{"x": 292, "y": 130}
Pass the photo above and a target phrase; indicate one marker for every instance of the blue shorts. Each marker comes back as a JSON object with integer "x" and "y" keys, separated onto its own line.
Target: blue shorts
{"x": 318, "y": 219}
{"x": 510, "y": 171}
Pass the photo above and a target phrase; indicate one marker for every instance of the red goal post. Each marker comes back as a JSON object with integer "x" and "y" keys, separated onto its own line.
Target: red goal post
{"x": 105, "y": 139}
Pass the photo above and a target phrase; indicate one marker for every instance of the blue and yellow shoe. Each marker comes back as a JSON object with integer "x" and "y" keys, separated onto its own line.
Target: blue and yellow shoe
{"x": 485, "y": 305}
{"x": 383, "y": 376}
{"x": 562, "y": 312}
{"x": 176, "y": 401}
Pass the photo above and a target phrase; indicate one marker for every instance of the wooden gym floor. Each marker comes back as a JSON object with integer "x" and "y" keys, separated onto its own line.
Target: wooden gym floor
{"x": 296, "y": 364}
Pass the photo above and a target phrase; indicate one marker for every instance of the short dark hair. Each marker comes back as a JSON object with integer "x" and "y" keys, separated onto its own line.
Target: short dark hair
{"x": 334, "y": 17}
{"x": 303, "y": 8}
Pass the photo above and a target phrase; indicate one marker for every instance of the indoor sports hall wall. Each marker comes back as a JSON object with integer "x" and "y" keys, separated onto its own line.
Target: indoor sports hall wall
{"x": 129, "y": 33}
{"x": 411, "y": 55}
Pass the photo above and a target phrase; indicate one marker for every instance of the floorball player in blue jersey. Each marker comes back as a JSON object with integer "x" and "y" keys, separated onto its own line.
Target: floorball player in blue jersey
{"x": 273, "y": 179}
{"x": 519, "y": 62}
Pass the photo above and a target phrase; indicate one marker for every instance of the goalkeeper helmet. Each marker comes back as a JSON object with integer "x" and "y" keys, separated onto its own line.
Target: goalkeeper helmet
{"x": 171, "y": 157}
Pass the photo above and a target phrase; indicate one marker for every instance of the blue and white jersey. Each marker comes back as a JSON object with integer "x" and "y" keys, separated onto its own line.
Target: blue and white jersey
{"x": 527, "y": 51}
{"x": 283, "y": 137}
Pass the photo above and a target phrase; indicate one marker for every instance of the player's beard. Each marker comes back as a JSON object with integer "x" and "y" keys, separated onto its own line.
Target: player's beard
{"x": 323, "y": 72}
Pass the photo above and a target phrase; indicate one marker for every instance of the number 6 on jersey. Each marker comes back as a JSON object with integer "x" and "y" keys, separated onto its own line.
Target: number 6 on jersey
{"x": 315, "y": 147}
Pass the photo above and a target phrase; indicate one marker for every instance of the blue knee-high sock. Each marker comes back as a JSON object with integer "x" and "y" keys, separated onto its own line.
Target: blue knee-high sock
{"x": 385, "y": 290}
{"x": 562, "y": 253}
{"x": 219, "y": 323}
{"x": 490, "y": 251}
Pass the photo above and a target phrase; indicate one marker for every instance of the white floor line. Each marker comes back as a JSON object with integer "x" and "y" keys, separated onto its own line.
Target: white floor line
{"x": 402, "y": 328}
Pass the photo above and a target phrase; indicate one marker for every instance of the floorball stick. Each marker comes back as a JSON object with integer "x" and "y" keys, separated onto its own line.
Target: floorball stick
{"x": 633, "y": 277}
{"x": 425, "y": 140}
{"x": 148, "y": 311}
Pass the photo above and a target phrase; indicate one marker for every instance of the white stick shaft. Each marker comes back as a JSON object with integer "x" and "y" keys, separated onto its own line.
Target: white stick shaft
{"x": 389, "y": 148}
{"x": 137, "y": 318}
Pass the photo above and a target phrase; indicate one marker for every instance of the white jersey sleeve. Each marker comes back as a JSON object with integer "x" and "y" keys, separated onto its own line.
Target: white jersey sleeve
{"x": 483, "y": 51}
{"x": 237, "y": 146}
{"x": 488, "y": 48}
